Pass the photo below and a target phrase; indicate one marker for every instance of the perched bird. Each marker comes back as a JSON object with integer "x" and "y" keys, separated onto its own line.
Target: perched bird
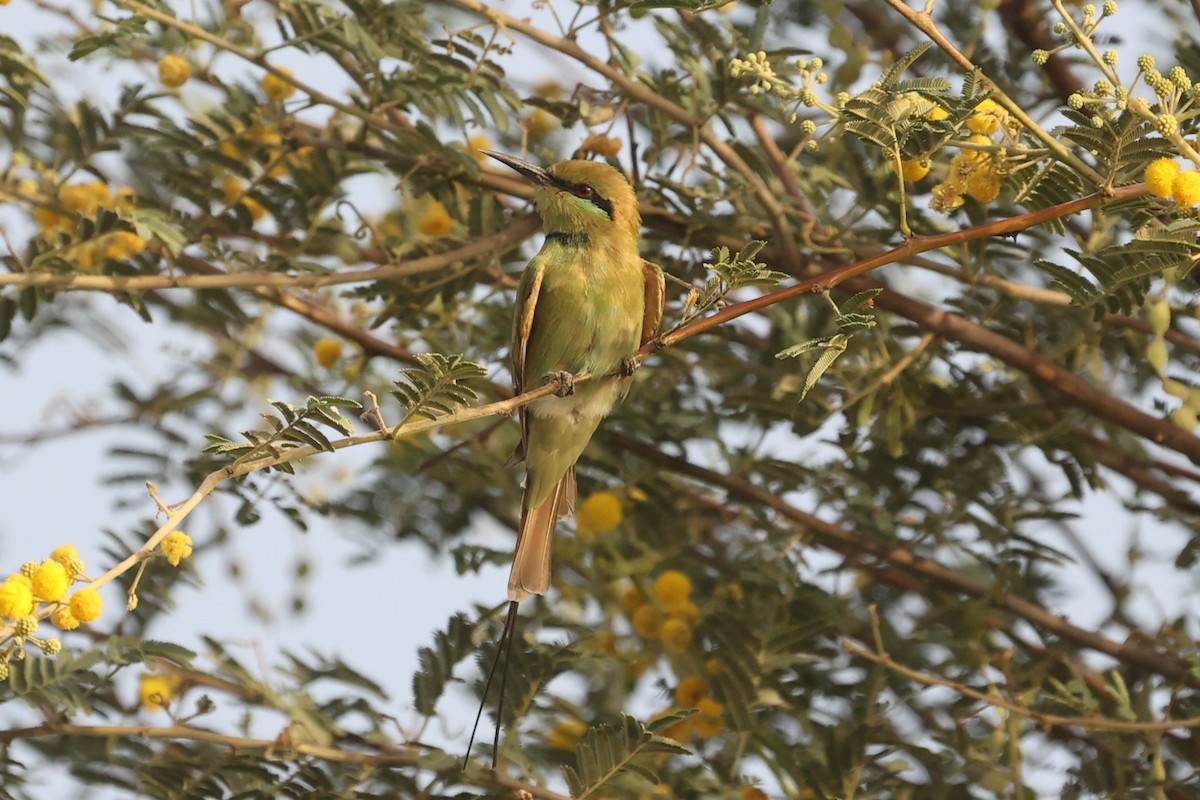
{"x": 587, "y": 302}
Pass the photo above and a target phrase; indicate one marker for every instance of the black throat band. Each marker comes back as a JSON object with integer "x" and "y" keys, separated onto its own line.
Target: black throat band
{"x": 576, "y": 239}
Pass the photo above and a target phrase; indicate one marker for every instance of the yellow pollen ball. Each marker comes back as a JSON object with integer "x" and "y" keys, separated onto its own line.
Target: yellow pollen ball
{"x": 936, "y": 114}
{"x": 435, "y": 221}
{"x": 125, "y": 199}
{"x": 85, "y": 198}
{"x": 254, "y": 207}
{"x": 601, "y": 512}
{"x": 1186, "y": 188}
{"x": 540, "y": 123}
{"x": 601, "y": 145}
{"x": 1160, "y": 174}
{"x": 156, "y": 691}
{"x": 988, "y": 117}
{"x": 176, "y": 546}
{"x": 50, "y": 581}
{"x": 63, "y": 619}
{"x": 914, "y": 169}
{"x": 121, "y": 245}
{"x": 86, "y": 605}
{"x": 647, "y": 621}
{"x": 476, "y": 143}
{"x": 672, "y": 588}
{"x": 68, "y": 556}
{"x": 174, "y": 70}
{"x": 264, "y": 134}
{"x": 231, "y": 189}
{"x": 16, "y": 597}
{"x": 690, "y": 691}
{"x": 327, "y": 352}
{"x": 49, "y": 220}
{"x": 711, "y": 719}
{"x": 676, "y": 635}
{"x": 632, "y": 599}
{"x": 277, "y": 88}
{"x": 680, "y": 731}
{"x": 947, "y": 196}
{"x": 688, "y": 612}
{"x": 982, "y": 141}
{"x": 984, "y": 186}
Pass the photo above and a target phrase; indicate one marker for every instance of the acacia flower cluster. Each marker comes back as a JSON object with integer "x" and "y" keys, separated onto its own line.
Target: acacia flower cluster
{"x": 174, "y": 70}
{"x": 327, "y": 352}
{"x": 155, "y": 692}
{"x": 981, "y": 164}
{"x": 669, "y": 616}
{"x": 600, "y": 512}
{"x": 1165, "y": 179}
{"x": 58, "y": 207}
{"x": 175, "y": 547}
{"x": 39, "y": 590}
{"x": 261, "y": 149}
{"x": 765, "y": 80}
{"x": 278, "y": 88}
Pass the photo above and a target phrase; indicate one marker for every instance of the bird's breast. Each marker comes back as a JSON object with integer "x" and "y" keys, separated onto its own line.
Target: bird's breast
{"x": 589, "y": 318}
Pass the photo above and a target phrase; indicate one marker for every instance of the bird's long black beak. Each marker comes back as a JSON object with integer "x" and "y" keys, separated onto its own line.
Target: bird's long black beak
{"x": 530, "y": 171}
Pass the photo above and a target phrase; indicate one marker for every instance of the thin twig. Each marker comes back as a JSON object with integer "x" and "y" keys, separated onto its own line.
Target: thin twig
{"x": 497, "y": 242}
{"x": 881, "y": 657}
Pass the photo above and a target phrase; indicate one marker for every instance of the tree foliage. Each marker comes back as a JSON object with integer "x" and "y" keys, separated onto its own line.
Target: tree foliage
{"x": 927, "y": 303}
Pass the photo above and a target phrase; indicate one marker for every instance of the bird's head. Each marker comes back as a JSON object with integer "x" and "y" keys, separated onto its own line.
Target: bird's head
{"x": 580, "y": 196}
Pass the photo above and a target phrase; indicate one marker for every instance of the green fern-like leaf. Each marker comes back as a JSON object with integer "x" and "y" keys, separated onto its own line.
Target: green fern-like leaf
{"x": 892, "y": 77}
{"x": 65, "y": 682}
{"x": 731, "y": 273}
{"x": 450, "y": 646}
{"x": 1122, "y": 147}
{"x": 1082, "y": 291}
{"x": 872, "y": 117}
{"x": 849, "y": 324}
{"x": 608, "y": 750}
{"x": 739, "y": 651}
{"x": 295, "y": 426}
{"x": 1118, "y": 276}
{"x": 1049, "y": 186}
{"x": 435, "y": 388}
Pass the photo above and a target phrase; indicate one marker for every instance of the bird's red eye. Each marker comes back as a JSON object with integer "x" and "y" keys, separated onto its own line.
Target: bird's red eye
{"x": 583, "y": 190}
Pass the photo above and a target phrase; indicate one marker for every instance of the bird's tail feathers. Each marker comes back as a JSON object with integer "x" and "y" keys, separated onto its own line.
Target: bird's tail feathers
{"x": 535, "y": 541}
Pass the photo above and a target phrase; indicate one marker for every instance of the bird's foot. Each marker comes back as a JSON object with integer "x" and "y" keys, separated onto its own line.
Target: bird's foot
{"x": 566, "y": 383}
{"x": 629, "y": 365}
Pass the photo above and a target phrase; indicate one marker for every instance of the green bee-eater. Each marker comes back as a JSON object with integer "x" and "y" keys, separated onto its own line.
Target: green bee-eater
{"x": 587, "y": 302}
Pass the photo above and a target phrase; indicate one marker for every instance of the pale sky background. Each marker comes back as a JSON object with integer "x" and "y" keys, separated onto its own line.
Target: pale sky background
{"x": 374, "y": 615}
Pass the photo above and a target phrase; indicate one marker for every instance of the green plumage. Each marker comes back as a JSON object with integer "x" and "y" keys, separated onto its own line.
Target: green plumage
{"x": 587, "y": 302}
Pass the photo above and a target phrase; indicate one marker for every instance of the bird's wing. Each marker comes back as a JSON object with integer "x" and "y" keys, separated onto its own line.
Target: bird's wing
{"x": 655, "y": 291}
{"x": 527, "y": 300}
{"x": 523, "y": 331}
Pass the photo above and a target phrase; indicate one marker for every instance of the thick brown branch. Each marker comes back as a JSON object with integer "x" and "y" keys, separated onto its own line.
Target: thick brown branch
{"x": 1073, "y": 388}
{"x": 851, "y": 543}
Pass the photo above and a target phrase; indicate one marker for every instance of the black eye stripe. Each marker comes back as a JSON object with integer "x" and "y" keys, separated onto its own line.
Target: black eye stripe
{"x": 601, "y": 202}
